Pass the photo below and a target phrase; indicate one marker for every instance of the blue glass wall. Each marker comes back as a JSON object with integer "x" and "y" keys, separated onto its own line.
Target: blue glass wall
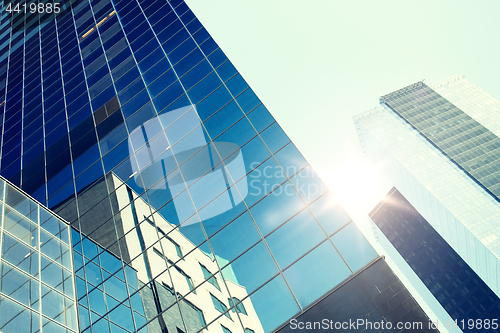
{"x": 126, "y": 118}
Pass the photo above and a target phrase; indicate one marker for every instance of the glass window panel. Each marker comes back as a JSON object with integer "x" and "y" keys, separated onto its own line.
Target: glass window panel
{"x": 274, "y": 304}
{"x": 19, "y": 286}
{"x": 210, "y": 186}
{"x": 316, "y": 273}
{"x": 290, "y": 159}
{"x": 248, "y": 100}
{"x": 53, "y": 225}
{"x": 274, "y": 137}
{"x": 126, "y": 79}
{"x": 89, "y": 176}
{"x": 253, "y": 153}
{"x": 190, "y": 144}
{"x": 239, "y": 134}
{"x": 261, "y": 181}
{"x": 89, "y": 248}
{"x": 237, "y": 84}
{"x": 226, "y": 70}
{"x": 17, "y": 318}
{"x": 235, "y": 238}
{"x": 122, "y": 316}
{"x": 218, "y": 212}
{"x": 217, "y": 58}
{"x": 354, "y": 247}
{"x": 96, "y": 301}
{"x": 252, "y": 269}
{"x": 276, "y": 208}
{"x": 137, "y": 302}
{"x": 295, "y": 238}
{"x": 50, "y": 326}
{"x": 100, "y": 326}
{"x": 168, "y": 96}
{"x": 213, "y": 102}
{"x": 117, "y": 155}
{"x": 208, "y": 276}
{"x": 147, "y": 61}
{"x": 53, "y": 304}
{"x": 182, "y": 50}
{"x": 115, "y": 288}
{"x": 19, "y": 255}
{"x": 187, "y": 121}
{"x": 20, "y": 227}
{"x": 158, "y": 69}
{"x": 219, "y": 305}
{"x": 192, "y": 229}
{"x": 52, "y": 274}
{"x": 204, "y": 88}
{"x": 145, "y": 116}
{"x": 196, "y": 74}
{"x": 187, "y": 62}
{"x": 224, "y": 118}
{"x": 21, "y": 203}
{"x": 68, "y": 284}
{"x": 83, "y": 317}
{"x": 50, "y": 246}
{"x": 93, "y": 274}
{"x": 162, "y": 83}
{"x": 63, "y": 177}
{"x": 329, "y": 213}
{"x": 109, "y": 262}
{"x": 260, "y": 118}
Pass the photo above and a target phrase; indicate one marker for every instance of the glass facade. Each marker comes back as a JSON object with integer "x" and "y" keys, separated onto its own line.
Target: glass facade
{"x": 458, "y": 289}
{"x": 190, "y": 209}
{"x": 412, "y": 147}
{"x": 37, "y": 292}
{"x": 465, "y": 141}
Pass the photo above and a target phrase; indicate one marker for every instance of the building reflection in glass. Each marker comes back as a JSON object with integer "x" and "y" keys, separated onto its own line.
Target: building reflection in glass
{"x": 163, "y": 271}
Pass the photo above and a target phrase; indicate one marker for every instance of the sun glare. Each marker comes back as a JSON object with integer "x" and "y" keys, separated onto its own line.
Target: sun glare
{"x": 358, "y": 186}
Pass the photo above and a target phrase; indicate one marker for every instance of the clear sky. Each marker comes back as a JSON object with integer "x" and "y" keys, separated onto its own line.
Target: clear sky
{"x": 317, "y": 63}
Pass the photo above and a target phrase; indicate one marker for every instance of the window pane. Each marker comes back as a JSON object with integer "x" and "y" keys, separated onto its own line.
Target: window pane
{"x": 295, "y": 238}
{"x": 316, "y": 273}
{"x": 274, "y": 304}
{"x": 354, "y": 247}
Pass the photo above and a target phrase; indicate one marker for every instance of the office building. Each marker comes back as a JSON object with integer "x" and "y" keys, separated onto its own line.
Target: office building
{"x": 439, "y": 147}
{"x": 453, "y": 288}
{"x": 190, "y": 208}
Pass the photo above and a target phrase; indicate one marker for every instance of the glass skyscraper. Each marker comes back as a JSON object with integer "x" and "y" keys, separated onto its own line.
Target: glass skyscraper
{"x": 189, "y": 207}
{"x": 439, "y": 147}
{"x": 455, "y": 286}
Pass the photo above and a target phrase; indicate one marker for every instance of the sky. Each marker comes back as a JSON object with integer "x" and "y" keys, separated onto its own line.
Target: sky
{"x": 316, "y": 64}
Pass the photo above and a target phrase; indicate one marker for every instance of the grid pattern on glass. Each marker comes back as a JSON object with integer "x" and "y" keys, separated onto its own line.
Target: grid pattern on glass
{"x": 461, "y": 292}
{"x": 36, "y": 271}
{"x": 135, "y": 127}
{"x": 470, "y": 145}
{"x": 452, "y": 202}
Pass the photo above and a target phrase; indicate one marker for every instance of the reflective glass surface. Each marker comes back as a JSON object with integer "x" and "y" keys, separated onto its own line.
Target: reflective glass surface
{"x": 36, "y": 271}
{"x": 190, "y": 207}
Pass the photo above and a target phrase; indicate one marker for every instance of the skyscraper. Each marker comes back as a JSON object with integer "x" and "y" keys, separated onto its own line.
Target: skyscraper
{"x": 190, "y": 209}
{"x": 439, "y": 147}
{"x": 456, "y": 293}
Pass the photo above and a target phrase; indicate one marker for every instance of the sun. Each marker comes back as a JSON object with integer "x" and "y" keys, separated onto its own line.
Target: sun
{"x": 357, "y": 185}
